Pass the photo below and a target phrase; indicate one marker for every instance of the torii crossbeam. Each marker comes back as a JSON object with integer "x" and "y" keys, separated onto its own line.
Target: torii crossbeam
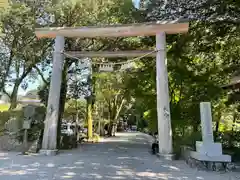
{"x": 158, "y": 29}
{"x": 143, "y": 29}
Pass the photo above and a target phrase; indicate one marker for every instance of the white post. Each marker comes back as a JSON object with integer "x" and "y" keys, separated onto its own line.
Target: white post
{"x": 206, "y": 122}
{"x": 49, "y": 144}
{"x": 207, "y": 150}
{"x": 163, "y": 108}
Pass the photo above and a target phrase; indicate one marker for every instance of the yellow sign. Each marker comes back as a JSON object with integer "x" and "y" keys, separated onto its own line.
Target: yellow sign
{"x": 4, "y": 3}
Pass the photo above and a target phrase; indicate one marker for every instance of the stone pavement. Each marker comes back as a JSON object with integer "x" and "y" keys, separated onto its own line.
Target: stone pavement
{"x": 123, "y": 157}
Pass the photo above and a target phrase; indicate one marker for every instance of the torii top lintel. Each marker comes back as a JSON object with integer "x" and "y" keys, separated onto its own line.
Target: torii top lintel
{"x": 142, "y": 29}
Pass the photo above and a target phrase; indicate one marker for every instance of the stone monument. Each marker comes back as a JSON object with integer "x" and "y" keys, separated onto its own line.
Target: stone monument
{"x": 207, "y": 150}
{"x": 12, "y": 125}
{"x": 29, "y": 112}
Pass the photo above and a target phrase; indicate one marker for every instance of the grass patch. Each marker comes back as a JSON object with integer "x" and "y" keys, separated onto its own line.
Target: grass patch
{"x": 4, "y": 107}
{"x": 96, "y": 138}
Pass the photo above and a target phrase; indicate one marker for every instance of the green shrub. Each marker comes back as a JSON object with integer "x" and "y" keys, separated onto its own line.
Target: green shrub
{"x": 4, "y": 107}
{"x": 6, "y": 115}
{"x": 188, "y": 139}
{"x": 18, "y": 114}
{"x": 96, "y": 138}
{"x": 37, "y": 124}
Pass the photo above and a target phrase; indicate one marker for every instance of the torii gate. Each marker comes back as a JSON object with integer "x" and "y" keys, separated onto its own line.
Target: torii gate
{"x": 158, "y": 29}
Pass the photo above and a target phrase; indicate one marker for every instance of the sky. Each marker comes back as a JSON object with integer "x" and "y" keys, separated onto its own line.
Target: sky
{"x": 33, "y": 86}
{"x": 136, "y": 2}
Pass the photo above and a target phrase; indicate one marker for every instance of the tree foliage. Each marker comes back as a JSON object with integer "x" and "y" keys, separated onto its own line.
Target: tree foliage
{"x": 22, "y": 50}
{"x": 199, "y": 62}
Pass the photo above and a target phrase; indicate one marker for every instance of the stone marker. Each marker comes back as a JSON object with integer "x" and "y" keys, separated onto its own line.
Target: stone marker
{"x": 29, "y": 112}
{"x": 207, "y": 150}
{"x": 12, "y": 125}
{"x": 206, "y": 122}
{"x": 26, "y": 124}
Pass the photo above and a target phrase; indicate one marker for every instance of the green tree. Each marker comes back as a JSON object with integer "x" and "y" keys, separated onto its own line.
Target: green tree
{"x": 75, "y": 110}
{"x": 199, "y": 62}
{"x": 110, "y": 89}
{"x": 23, "y": 50}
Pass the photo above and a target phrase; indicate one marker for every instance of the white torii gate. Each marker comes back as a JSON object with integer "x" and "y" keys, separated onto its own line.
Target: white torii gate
{"x": 159, "y": 29}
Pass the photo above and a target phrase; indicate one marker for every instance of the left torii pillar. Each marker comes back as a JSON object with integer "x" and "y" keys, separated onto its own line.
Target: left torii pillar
{"x": 49, "y": 143}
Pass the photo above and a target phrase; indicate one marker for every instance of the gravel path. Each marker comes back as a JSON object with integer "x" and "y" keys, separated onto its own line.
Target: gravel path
{"x": 123, "y": 157}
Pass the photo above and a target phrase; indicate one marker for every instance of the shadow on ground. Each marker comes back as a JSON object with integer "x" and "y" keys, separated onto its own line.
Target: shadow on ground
{"x": 125, "y": 157}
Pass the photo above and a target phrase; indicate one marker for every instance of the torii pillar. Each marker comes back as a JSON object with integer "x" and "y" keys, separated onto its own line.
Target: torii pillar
{"x": 49, "y": 143}
{"x": 163, "y": 107}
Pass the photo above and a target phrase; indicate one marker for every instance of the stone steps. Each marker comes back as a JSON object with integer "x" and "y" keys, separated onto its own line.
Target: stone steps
{"x": 34, "y": 148}
{"x": 210, "y": 166}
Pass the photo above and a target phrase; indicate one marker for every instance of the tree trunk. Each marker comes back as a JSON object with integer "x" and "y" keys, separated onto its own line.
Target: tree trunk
{"x": 61, "y": 109}
{"x": 114, "y": 113}
{"x": 118, "y": 110}
{"x": 13, "y": 97}
{"x": 110, "y": 129}
{"x": 89, "y": 118}
{"x": 110, "y": 117}
{"x": 62, "y": 101}
{"x": 216, "y": 130}
{"x": 217, "y": 125}
{"x": 234, "y": 121}
{"x": 195, "y": 126}
{"x": 8, "y": 66}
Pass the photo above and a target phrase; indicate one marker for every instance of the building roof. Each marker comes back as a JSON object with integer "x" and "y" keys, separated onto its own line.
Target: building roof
{"x": 234, "y": 81}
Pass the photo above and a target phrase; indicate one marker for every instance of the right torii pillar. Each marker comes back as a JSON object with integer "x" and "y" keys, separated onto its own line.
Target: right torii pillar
{"x": 163, "y": 107}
